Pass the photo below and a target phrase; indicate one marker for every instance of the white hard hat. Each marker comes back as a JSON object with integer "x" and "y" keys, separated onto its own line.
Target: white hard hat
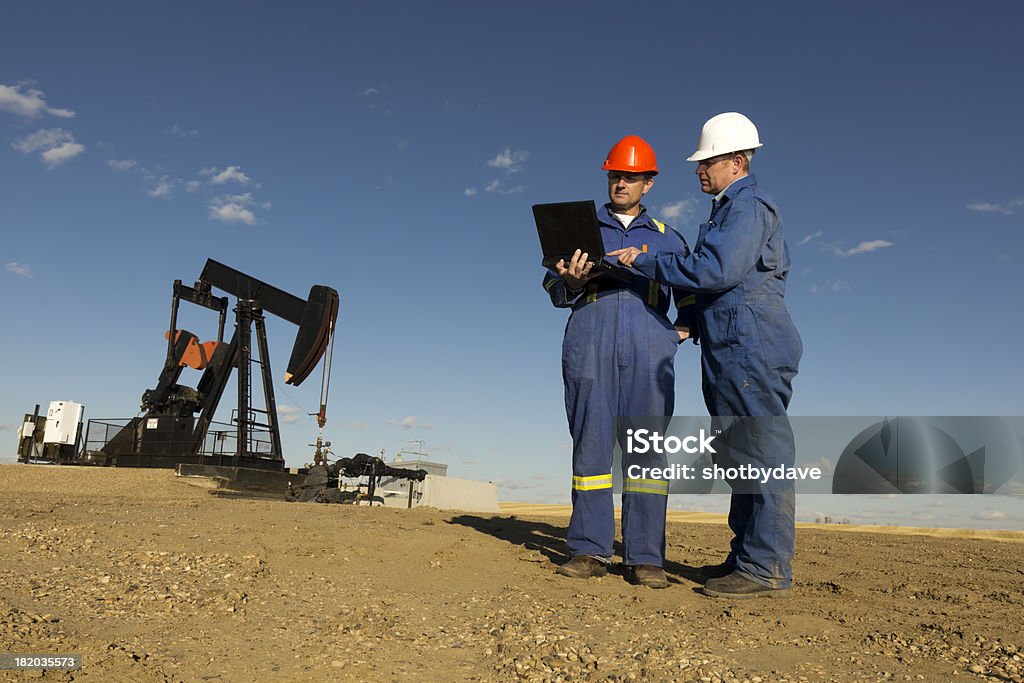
{"x": 728, "y": 132}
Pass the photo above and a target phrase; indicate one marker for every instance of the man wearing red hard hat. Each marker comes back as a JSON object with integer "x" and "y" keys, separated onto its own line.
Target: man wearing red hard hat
{"x": 617, "y": 361}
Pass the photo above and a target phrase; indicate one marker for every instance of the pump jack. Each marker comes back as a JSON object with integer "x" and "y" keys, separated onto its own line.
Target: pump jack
{"x": 176, "y": 425}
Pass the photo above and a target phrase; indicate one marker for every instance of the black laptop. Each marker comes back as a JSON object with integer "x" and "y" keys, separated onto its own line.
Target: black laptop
{"x": 564, "y": 227}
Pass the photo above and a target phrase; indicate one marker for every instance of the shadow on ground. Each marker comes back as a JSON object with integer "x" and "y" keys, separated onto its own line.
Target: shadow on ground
{"x": 549, "y": 540}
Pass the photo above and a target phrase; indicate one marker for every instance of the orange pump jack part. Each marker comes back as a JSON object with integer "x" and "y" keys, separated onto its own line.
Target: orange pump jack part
{"x": 197, "y": 355}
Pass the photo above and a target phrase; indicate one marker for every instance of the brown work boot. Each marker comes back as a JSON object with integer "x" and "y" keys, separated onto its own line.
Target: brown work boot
{"x": 647, "y": 575}
{"x": 582, "y": 567}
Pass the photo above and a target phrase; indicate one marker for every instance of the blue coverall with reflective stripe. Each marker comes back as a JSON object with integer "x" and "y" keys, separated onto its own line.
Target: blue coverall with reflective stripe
{"x": 750, "y": 351}
{"x": 617, "y": 360}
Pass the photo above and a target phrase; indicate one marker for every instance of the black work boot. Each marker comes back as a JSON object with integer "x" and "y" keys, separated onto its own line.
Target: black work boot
{"x": 740, "y": 587}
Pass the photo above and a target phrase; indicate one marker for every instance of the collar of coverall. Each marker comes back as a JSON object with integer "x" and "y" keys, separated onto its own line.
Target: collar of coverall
{"x": 606, "y": 215}
{"x": 735, "y": 186}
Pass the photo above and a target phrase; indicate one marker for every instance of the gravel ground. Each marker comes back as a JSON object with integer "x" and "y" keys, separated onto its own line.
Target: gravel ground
{"x": 151, "y": 579}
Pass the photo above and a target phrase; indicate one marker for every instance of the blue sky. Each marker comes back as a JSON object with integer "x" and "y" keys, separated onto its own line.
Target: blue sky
{"x": 393, "y": 150}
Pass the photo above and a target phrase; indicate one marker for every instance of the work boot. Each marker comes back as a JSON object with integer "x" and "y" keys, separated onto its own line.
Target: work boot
{"x": 741, "y": 587}
{"x": 715, "y": 571}
{"x": 582, "y": 567}
{"x": 647, "y": 575}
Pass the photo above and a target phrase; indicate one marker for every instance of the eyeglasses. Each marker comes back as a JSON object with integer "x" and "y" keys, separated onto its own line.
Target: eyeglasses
{"x": 708, "y": 163}
{"x": 616, "y": 176}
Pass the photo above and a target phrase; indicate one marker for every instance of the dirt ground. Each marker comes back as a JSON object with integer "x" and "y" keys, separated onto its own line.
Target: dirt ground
{"x": 152, "y": 579}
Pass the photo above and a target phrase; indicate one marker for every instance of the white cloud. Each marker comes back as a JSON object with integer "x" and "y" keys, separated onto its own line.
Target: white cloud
{"x": 231, "y": 173}
{"x": 1006, "y": 209}
{"x": 367, "y": 92}
{"x": 192, "y": 185}
{"x": 840, "y": 286}
{"x": 122, "y": 164}
{"x": 469, "y": 191}
{"x": 810, "y": 237}
{"x": 55, "y": 144}
{"x": 30, "y": 103}
{"x": 162, "y": 189}
{"x": 989, "y": 514}
{"x": 681, "y": 211}
{"x": 499, "y": 187}
{"x": 266, "y": 206}
{"x": 58, "y": 155}
{"x": 289, "y": 414}
{"x": 863, "y": 248}
{"x": 180, "y": 132}
{"x": 233, "y": 208}
{"x": 513, "y": 162}
{"x": 22, "y": 269}
{"x": 410, "y": 422}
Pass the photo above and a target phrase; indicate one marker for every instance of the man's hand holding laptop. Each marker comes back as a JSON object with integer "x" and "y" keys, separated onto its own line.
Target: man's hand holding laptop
{"x": 577, "y": 272}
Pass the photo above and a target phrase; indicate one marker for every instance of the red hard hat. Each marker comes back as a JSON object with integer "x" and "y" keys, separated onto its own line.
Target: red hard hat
{"x": 633, "y": 155}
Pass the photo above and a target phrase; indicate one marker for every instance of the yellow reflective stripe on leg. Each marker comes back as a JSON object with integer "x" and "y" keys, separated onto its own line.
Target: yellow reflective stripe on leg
{"x": 591, "y": 292}
{"x": 598, "y": 481}
{"x": 658, "y": 487}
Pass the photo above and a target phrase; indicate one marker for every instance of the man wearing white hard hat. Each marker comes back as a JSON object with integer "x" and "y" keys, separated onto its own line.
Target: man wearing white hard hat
{"x": 750, "y": 351}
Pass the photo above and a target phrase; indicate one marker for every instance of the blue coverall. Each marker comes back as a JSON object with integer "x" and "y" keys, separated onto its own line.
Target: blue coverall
{"x": 750, "y": 350}
{"x": 617, "y": 361}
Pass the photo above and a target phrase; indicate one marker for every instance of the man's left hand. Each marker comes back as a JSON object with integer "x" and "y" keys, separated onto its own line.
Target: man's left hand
{"x": 626, "y": 256}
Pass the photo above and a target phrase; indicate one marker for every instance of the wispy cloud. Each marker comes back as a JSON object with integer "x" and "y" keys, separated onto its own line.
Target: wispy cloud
{"x": 229, "y": 174}
{"x": 122, "y": 164}
{"x": 469, "y": 191}
{"x": 180, "y": 132}
{"x": 289, "y": 414}
{"x": 511, "y": 161}
{"x": 813, "y": 235}
{"x": 1007, "y": 209}
{"x": 989, "y": 514}
{"x": 681, "y": 211}
{"x": 30, "y": 103}
{"x": 862, "y": 248}
{"x": 831, "y": 286}
{"x": 55, "y": 146}
{"x": 22, "y": 269}
{"x": 162, "y": 188}
{"x": 354, "y": 425}
{"x": 410, "y": 422}
{"x": 367, "y": 92}
{"x": 499, "y": 187}
{"x": 193, "y": 186}
{"x": 233, "y": 208}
